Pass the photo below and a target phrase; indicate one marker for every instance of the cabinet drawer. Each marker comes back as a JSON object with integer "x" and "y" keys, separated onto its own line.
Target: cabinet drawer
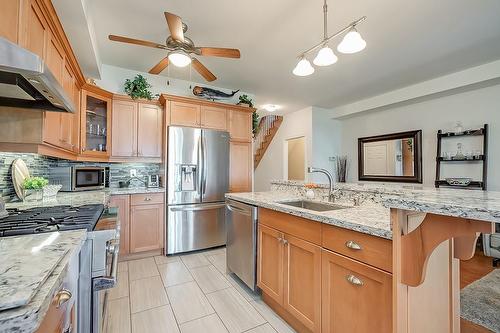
{"x": 302, "y": 228}
{"x": 146, "y": 199}
{"x": 368, "y": 249}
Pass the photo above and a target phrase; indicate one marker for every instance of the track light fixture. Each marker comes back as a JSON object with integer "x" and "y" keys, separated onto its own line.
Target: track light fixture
{"x": 351, "y": 43}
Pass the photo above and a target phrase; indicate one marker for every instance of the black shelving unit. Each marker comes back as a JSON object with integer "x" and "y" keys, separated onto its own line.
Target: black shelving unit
{"x": 476, "y": 159}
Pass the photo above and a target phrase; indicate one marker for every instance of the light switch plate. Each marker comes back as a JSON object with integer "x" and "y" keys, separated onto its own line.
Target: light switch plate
{"x": 133, "y": 173}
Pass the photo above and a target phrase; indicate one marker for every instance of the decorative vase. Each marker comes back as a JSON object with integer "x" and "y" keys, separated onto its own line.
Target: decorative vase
{"x": 33, "y": 195}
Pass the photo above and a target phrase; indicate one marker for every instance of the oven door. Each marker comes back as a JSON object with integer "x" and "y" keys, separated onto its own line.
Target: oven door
{"x": 88, "y": 178}
{"x": 101, "y": 286}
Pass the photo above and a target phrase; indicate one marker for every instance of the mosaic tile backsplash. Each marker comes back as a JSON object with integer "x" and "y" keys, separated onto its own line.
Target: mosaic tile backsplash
{"x": 40, "y": 166}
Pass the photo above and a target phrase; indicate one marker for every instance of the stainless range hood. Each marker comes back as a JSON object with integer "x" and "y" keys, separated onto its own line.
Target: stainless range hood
{"x": 26, "y": 81}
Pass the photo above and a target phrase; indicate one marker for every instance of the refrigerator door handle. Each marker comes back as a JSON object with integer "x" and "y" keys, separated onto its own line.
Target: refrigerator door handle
{"x": 204, "y": 157}
{"x": 200, "y": 165}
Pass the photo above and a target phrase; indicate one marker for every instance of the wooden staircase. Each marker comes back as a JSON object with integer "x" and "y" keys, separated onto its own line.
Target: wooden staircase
{"x": 268, "y": 126}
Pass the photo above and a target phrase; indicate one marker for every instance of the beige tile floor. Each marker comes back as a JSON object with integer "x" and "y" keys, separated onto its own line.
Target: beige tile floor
{"x": 186, "y": 294}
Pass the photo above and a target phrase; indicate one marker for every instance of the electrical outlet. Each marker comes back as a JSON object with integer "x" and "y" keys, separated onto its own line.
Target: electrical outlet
{"x": 133, "y": 173}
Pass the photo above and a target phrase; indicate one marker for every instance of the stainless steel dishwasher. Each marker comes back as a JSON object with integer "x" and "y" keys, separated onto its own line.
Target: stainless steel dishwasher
{"x": 241, "y": 243}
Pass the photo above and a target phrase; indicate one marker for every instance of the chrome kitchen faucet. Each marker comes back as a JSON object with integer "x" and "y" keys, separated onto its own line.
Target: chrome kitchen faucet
{"x": 332, "y": 190}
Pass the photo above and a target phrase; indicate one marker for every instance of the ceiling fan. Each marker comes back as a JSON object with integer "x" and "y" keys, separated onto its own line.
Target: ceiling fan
{"x": 180, "y": 49}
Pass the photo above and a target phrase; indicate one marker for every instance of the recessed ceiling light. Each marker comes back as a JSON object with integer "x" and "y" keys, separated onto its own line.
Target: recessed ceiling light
{"x": 270, "y": 107}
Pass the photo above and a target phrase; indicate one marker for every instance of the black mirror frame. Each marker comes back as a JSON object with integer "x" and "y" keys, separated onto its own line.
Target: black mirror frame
{"x": 417, "y": 172}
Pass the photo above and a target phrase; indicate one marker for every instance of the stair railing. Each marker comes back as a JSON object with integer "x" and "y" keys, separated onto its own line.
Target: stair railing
{"x": 263, "y": 130}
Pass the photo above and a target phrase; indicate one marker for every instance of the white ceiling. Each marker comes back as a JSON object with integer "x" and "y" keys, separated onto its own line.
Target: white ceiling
{"x": 408, "y": 42}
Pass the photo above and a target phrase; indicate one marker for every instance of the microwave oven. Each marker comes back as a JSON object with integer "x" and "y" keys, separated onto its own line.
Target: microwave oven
{"x": 79, "y": 178}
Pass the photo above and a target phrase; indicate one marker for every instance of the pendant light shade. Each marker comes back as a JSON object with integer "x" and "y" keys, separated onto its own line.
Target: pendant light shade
{"x": 325, "y": 57}
{"x": 303, "y": 68}
{"x": 179, "y": 58}
{"x": 352, "y": 42}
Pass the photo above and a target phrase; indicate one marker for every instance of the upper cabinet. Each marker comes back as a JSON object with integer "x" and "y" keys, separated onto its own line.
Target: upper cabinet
{"x": 124, "y": 129}
{"x": 95, "y": 122}
{"x": 240, "y": 125}
{"x": 185, "y": 114}
{"x": 214, "y": 117}
{"x": 149, "y": 131}
{"x": 137, "y": 129}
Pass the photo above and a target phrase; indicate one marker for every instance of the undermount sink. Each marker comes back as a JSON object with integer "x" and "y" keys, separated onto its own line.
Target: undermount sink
{"x": 313, "y": 205}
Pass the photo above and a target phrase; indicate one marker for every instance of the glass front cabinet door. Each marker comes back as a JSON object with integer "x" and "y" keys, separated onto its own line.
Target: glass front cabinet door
{"x": 95, "y": 123}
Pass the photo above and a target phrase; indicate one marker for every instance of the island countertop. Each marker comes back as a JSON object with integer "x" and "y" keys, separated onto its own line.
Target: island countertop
{"x": 475, "y": 205}
{"x": 65, "y": 245}
{"x": 368, "y": 218}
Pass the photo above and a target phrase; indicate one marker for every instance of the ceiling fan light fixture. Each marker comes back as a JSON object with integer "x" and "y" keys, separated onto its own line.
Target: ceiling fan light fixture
{"x": 352, "y": 42}
{"x": 179, "y": 58}
{"x": 325, "y": 57}
{"x": 303, "y": 68}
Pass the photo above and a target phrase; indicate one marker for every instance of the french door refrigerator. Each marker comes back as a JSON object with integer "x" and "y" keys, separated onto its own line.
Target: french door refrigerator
{"x": 197, "y": 179}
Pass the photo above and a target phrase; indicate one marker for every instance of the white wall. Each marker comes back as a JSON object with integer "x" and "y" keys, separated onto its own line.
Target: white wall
{"x": 272, "y": 165}
{"x": 322, "y": 136}
{"x": 473, "y": 108}
{"x": 113, "y": 79}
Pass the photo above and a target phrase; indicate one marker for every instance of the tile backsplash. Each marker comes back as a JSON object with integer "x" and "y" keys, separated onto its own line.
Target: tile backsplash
{"x": 40, "y": 165}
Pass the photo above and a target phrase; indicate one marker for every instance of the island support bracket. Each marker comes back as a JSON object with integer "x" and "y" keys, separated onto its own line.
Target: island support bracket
{"x": 418, "y": 245}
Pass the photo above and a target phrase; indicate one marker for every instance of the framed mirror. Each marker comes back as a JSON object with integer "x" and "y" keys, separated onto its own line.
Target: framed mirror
{"x": 393, "y": 157}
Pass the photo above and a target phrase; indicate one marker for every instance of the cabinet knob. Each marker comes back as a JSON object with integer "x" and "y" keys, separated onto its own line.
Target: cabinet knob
{"x": 62, "y": 297}
{"x": 147, "y": 199}
{"x": 354, "y": 280}
{"x": 353, "y": 245}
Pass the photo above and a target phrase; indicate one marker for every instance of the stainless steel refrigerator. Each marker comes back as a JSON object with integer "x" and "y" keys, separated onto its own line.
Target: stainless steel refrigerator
{"x": 197, "y": 179}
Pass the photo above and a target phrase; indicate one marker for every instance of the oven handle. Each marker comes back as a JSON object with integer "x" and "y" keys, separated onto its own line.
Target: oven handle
{"x": 107, "y": 282}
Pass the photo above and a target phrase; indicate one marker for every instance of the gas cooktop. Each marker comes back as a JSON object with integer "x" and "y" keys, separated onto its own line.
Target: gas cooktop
{"x": 46, "y": 219}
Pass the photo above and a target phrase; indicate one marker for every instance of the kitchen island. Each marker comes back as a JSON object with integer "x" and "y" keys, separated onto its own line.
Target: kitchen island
{"x": 428, "y": 231}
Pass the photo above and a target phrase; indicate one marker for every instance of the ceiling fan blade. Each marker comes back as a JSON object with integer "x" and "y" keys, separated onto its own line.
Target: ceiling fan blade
{"x": 219, "y": 52}
{"x": 159, "y": 67}
{"x": 175, "y": 26}
{"x": 198, "y": 66}
{"x": 136, "y": 41}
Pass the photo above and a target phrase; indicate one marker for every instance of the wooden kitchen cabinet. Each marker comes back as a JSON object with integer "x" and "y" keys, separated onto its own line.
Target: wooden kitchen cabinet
{"x": 95, "y": 123}
{"x": 270, "y": 272}
{"x": 185, "y": 114}
{"x": 356, "y": 297}
{"x": 302, "y": 287}
{"x": 289, "y": 272}
{"x": 149, "y": 131}
{"x": 240, "y": 125}
{"x": 214, "y": 117}
{"x": 33, "y": 31}
{"x": 137, "y": 129}
{"x": 240, "y": 166}
{"x": 146, "y": 227}
{"x": 9, "y": 25}
{"x": 124, "y": 129}
{"x": 141, "y": 221}
{"x": 122, "y": 202}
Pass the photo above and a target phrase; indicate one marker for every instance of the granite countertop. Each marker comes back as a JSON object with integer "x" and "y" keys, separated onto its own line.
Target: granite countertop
{"x": 83, "y": 197}
{"x": 66, "y": 198}
{"x": 477, "y": 205}
{"x": 369, "y": 218}
{"x": 136, "y": 190}
{"x": 64, "y": 246}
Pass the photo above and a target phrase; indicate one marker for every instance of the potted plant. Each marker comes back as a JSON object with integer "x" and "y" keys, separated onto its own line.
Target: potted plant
{"x": 139, "y": 88}
{"x": 245, "y": 100}
{"x": 33, "y": 188}
{"x": 255, "y": 122}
